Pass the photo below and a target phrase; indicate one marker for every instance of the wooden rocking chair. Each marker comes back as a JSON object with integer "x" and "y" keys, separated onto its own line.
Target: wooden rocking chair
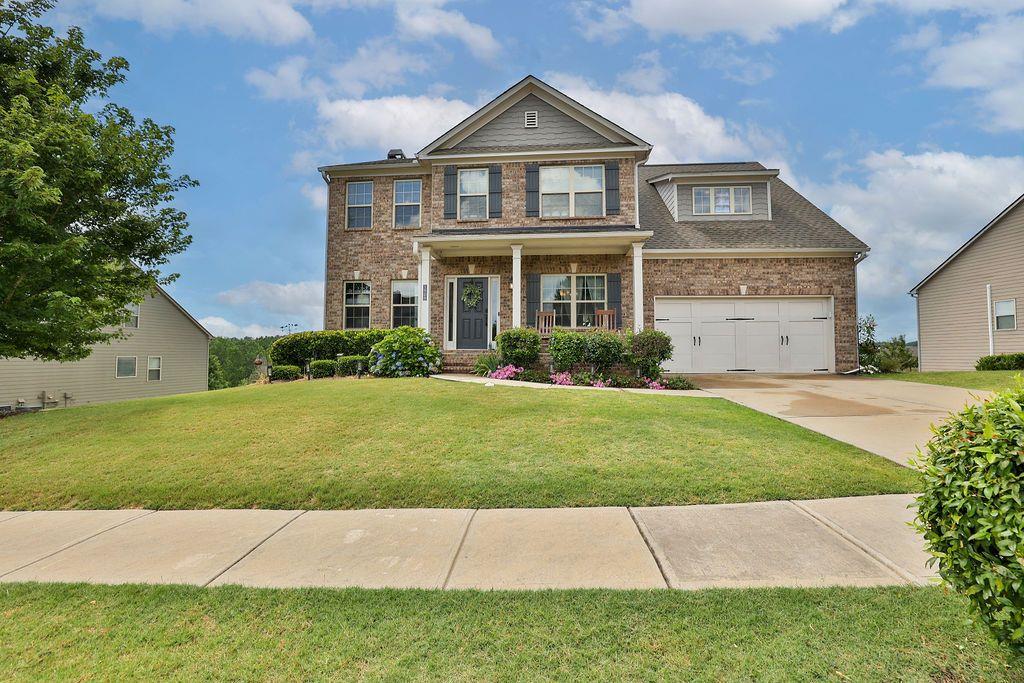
{"x": 545, "y": 322}
{"x": 604, "y": 319}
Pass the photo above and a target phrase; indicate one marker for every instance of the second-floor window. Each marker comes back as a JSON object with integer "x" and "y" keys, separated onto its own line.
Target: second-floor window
{"x": 407, "y": 203}
{"x": 359, "y": 205}
{"x": 133, "y": 316}
{"x": 571, "y": 191}
{"x": 473, "y": 194}
{"x": 709, "y": 201}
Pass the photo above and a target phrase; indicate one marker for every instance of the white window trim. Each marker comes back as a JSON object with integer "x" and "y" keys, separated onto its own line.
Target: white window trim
{"x": 348, "y": 187}
{"x": 415, "y": 306}
{"x": 159, "y": 369}
{"x": 486, "y": 194}
{"x": 117, "y": 376}
{"x": 531, "y": 119}
{"x": 396, "y": 204}
{"x": 345, "y": 305}
{"x": 572, "y": 297}
{"x": 572, "y": 192}
{"x": 732, "y": 200}
{"x": 995, "y": 317}
{"x": 451, "y": 281}
{"x": 137, "y": 314}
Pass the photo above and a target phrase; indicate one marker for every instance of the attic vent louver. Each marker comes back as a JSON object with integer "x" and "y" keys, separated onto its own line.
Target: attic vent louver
{"x": 530, "y": 119}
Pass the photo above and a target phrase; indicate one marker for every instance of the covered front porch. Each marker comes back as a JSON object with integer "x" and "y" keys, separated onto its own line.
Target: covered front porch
{"x": 474, "y": 284}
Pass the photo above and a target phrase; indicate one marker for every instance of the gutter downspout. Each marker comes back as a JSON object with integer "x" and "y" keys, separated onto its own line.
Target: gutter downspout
{"x": 327, "y": 237}
{"x": 988, "y": 300}
{"x": 857, "y": 259}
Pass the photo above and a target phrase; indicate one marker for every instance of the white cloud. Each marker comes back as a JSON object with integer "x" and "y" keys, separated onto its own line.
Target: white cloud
{"x": 914, "y": 210}
{"x": 316, "y": 194}
{"x": 220, "y": 327}
{"x": 386, "y": 122}
{"x": 378, "y": 64}
{"x": 287, "y": 81}
{"x": 647, "y": 75}
{"x": 724, "y": 57}
{"x": 925, "y": 37}
{"x": 300, "y": 302}
{"x": 422, "y": 21}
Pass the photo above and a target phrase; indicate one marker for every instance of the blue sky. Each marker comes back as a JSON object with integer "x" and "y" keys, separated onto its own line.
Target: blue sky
{"x": 903, "y": 119}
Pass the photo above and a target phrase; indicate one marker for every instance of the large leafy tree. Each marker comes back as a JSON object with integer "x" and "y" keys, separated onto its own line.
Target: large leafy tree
{"x": 86, "y": 220}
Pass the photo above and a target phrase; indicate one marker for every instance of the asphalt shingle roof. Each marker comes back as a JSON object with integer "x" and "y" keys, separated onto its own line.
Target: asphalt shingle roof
{"x": 796, "y": 222}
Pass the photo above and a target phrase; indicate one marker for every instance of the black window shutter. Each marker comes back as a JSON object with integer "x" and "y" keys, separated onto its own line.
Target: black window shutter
{"x": 532, "y": 190}
{"x": 611, "y": 188}
{"x": 614, "y": 283}
{"x": 532, "y": 298}
{"x": 494, "y": 191}
{"x": 450, "y": 180}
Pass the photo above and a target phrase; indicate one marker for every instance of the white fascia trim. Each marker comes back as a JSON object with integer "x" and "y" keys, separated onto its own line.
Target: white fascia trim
{"x": 749, "y": 253}
{"x": 769, "y": 173}
{"x": 527, "y": 236}
{"x": 543, "y": 152}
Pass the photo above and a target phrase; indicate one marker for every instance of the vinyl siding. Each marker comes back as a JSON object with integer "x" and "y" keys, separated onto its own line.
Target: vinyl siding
{"x": 953, "y": 319}
{"x": 758, "y": 202}
{"x": 554, "y": 128}
{"x": 670, "y": 195}
{"x": 163, "y": 331}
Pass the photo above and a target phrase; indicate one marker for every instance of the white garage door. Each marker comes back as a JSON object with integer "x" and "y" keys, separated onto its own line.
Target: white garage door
{"x": 747, "y": 335}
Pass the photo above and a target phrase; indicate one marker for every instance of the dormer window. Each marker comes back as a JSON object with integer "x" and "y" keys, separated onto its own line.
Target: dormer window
{"x": 711, "y": 201}
{"x": 530, "y": 119}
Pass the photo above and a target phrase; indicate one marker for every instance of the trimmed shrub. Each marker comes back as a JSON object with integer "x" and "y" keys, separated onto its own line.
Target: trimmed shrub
{"x": 678, "y": 384}
{"x": 534, "y": 376}
{"x": 603, "y": 350}
{"x": 1003, "y": 361}
{"x": 405, "y": 352}
{"x": 567, "y": 349}
{"x": 319, "y": 369}
{"x": 519, "y": 346}
{"x": 304, "y": 347}
{"x": 285, "y": 373}
{"x": 971, "y": 512}
{"x": 486, "y": 364}
{"x": 626, "y": 382}
{"x": 350, "y": 365}
{"x": 648, "y": 349}
{"x": 585, "y": 379}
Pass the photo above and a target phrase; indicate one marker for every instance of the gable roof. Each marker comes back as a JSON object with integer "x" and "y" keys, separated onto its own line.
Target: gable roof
{"x": 1013, "y": 205}
{"x": 532, "y": 85}
{"x": 796, "y": 223}
{"x": 181, "y": 308}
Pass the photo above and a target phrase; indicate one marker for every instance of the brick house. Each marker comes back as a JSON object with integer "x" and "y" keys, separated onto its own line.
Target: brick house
{"x": 537, "y": 207}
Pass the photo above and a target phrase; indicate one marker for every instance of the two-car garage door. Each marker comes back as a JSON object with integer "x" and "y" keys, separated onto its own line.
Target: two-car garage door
{"x": 748, "y": 334}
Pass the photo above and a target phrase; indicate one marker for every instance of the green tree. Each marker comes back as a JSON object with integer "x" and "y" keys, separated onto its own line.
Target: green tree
{"x": 236, "y": 356}
{"x": 85, "y": 215}
{"x": 867, "y": 345}
{"x": 216, "y": 374}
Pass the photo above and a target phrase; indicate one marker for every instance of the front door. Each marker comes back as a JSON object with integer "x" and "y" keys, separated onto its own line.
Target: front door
{"x": 471, "y": 313}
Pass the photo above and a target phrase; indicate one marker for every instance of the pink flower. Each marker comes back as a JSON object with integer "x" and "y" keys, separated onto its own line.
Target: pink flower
{"x": 562, "y": 378}
{"x": 599, "y": 383}
{"x": 506, "y": 372}
{"x": 654, "y": 384}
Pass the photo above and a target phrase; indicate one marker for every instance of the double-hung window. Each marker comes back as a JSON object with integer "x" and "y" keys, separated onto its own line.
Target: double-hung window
{"x": 1006, "y": 314}
{"x": 359, "y": 205}
{"x": 133, "y": 316}
{"x": 403, "y": 303}
{"x": 575, "y": 299}
{"x": 571, "y": 191}
{"x": 153, "y": 368}
{"x": 472, "y": 194}
{"x": 708, "y": 201}
{"x": 357, "y": 305}
{"x": 407, "y": 203}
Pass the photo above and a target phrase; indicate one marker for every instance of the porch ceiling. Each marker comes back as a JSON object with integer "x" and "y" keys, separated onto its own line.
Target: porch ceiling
{"x": 549, "y": 241}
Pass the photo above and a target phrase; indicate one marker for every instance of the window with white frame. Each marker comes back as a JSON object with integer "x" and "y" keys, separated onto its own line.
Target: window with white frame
{"x": 407, "y": 203}
{"x": 133, "y": 316}
{"x": 153, "y": 368}
{"x": 403, "y": 303}
{"x": 357, "y": 305}
{"x": 709, "y": 201}
{"x": 1006, "y": 314}
{"x": 359, "y": 204}
{"x": 125, "y": 366}
{"x": 473, "y": 194}
{"x": 571, "y": 191}
{"x": 575, "y": 299}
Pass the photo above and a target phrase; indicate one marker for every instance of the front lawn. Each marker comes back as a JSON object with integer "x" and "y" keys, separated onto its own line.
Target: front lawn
{"x": 990, "y": 380}
{"x": 371, "y": 443}
{"x": 80, "y": 632}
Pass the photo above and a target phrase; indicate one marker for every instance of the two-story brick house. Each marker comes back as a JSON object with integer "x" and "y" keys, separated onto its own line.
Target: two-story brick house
{"x": 536, "y": 203}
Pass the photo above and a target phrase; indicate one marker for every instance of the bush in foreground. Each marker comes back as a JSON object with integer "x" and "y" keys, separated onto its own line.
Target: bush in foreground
{"x": 319, "y": 369}
{"x": 519, "y": 346}
{"x": 1002, "y": 361}
{"x": 603, "y": 350}
{"x": 972, "y": 510}
{"x": 648, "y": 349}
{"x": 352, "y": 365}
{"x": 304, "y": 347}
{"x": 567, "y": 348}
{"x": 405, "y": 352}
{"x": 485, "y": 364}
{"x": 285, "y": 373}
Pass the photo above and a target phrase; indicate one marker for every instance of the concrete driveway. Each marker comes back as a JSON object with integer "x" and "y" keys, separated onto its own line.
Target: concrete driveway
{"x": 886, "y": 417}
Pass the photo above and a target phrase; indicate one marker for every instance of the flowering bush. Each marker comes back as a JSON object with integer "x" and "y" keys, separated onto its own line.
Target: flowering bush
{"x": 561, "y": 378}
{"x": 654, "y": 384}
{"x": 506, "y": 372}
{"x": 405, "y": 352}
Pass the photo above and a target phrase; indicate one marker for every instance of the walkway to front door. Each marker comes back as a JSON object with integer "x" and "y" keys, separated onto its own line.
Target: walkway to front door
{"x": 471, "y": 313}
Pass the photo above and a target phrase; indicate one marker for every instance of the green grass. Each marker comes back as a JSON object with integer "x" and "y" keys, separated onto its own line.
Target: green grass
{"x": 422, "y": 443}
{"x": 80, "y": 632}
{"x": 991, "y": 380}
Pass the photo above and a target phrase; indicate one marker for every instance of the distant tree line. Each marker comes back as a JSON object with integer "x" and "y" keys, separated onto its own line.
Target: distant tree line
{"x": 231, "y": 359}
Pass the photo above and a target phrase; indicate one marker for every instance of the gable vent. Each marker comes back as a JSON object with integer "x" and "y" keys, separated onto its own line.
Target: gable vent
{"x": 530, "y": 119}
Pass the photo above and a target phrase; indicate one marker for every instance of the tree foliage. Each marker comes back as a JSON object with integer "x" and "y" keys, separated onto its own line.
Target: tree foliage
{"x": 86, "y": 220}
{"x": 236, "y": 356}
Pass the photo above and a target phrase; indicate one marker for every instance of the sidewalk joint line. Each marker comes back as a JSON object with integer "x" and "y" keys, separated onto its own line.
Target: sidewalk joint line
{"x": 145, "y": 513}
{"x": 253, "y": 549}
{"x": 17, "y": 513}
{"x": 859, "y": 544}
{"x": 650, "y": 548}
{"x": 458, "y": 549}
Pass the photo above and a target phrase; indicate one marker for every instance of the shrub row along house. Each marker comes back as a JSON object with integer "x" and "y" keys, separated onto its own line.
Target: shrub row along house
{"x": 537, "y": 211}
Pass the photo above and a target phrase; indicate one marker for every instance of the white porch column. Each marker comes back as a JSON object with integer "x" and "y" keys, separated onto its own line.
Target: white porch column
{"x": 638, "y": 286}
{"x": 517, "y": 285}
{"x": 424, "y": 288}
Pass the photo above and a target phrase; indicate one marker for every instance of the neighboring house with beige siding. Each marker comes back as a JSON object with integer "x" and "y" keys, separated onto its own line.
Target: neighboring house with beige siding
{"x": 166, "y": 351}
{"x": 968, "y": 306}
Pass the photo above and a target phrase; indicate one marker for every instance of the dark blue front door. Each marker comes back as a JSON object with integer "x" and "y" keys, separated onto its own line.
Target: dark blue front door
{"x": 471, "y": 321}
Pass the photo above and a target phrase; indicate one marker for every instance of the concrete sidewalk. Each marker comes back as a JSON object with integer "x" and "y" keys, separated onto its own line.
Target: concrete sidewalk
{"x": 843, "y": 541}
